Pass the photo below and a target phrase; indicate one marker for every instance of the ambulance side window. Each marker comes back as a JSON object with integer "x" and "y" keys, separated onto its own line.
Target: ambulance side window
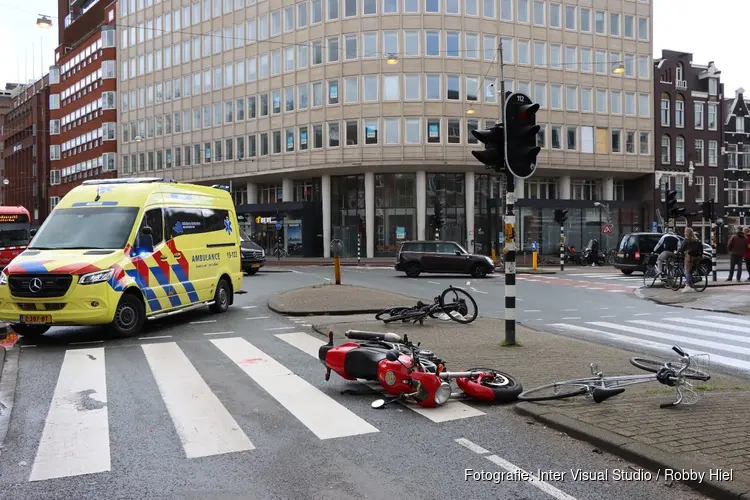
{"x": 153, "y": 219}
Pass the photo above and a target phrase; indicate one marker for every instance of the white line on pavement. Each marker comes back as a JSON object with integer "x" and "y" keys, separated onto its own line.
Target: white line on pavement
{"x": 532, "y": 310}
{"x": 641, "y": 314}
{"x": 156, "y": 337}
{"x": 516, "y": 471}
{"x": 280, "y": 328}
{"x": 572, "y": 317}
{"x": 258, "y": 317}
{"x": 327, "y": 279}
{"x": 217, "y": 333}
{"x": 609, "y": 316}
{"x": 433, "y": 282}
{"x": 249, "y": 307}
{"x": 202, "y": 322}
{"x": 569, "y": 310}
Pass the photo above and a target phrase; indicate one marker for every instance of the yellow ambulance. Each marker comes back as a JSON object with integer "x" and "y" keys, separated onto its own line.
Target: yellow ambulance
{"x": 120, "y": 251}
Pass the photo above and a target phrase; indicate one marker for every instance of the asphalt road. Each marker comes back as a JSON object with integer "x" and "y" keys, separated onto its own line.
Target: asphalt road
{"x": 235, "y": 406}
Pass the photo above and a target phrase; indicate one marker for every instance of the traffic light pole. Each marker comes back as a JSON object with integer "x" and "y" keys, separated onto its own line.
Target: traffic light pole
{"x": 359, "y": 245}
{"x": 510, "y": 225}
{"x": 713, "y": 250}
{"x": 562, "y": 247}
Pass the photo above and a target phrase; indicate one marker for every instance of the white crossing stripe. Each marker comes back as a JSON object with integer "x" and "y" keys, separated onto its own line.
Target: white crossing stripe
{"x": 204, "y": 425}
{"x": 75, "y": 439}
{"x": 452, "y": 410}
{"x": 696, "y": 331}
{"x": 739, "y": 321}
{"x": 325, "y": 417}
{"x": 641, "y": 343}
{"x": 712, "y": 324}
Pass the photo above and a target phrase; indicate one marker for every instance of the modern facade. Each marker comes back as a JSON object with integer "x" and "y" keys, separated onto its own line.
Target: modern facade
{"x": 689, "y": 127}
{"x": 324, "y": 112}
{"x": 83, "y": 101}
{"x": 26, "y": 142}
{"x": 6, "y": 103}
{"x": 736, "y": 162}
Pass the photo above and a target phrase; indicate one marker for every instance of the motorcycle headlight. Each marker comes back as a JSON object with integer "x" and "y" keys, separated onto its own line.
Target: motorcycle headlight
{"x": 443, "y": 393}
{"x": 96, "y": 277}
{"x": 3, "y": 279}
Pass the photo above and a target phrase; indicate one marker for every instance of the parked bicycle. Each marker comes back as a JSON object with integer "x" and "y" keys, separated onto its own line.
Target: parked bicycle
{"x": 456, "y": 303}
{"x": 599, "y": 388}
{"x": 676, "y": 275}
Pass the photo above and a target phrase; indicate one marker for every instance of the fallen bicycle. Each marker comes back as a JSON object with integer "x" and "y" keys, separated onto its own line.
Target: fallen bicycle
{"x": 443, "y": 307}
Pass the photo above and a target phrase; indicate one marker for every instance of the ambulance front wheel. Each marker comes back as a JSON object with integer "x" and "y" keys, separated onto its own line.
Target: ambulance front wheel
{"x": 222, "y": 297}
{"x": 129, "y": 316}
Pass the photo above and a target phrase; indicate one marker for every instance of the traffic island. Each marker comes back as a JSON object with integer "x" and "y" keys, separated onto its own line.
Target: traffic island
{"x": 733, "y": 299}
{"x": 707, "y": 436}
{"x": 337, "y": 300}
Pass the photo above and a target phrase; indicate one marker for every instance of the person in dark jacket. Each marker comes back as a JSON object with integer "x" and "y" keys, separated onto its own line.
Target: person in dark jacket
{"x": 665, "y": 249}
{"x": 692, "y": 249}
{"x": 736, "y": 246}
{"x": 747, "y": 252}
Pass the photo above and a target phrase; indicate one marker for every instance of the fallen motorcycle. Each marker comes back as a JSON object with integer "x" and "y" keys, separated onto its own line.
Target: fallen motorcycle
{"x": 410, "y": 373}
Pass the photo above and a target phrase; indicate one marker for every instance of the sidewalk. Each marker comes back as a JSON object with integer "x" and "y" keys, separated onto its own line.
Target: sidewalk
{"x": 708, "y": 435}
{"x": 733, "y": 298}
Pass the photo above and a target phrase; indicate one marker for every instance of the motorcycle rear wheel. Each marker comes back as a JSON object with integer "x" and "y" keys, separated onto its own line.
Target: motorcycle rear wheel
{"x": 502, "y": 388}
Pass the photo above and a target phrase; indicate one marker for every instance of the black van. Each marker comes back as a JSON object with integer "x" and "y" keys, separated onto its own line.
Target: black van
{"x": 634, "y": 248}
{"x": 253, "y": 256}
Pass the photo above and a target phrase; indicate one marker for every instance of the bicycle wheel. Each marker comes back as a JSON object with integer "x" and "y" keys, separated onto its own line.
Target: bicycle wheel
{"x": 391, "y": 311}
{"x": 560, "y": 390}
{"x": 458, "y": 309}
{"x": 675, "y": 277}
{"x": 650, "y": 276}
{"x": 500, "y": 387}
{"x": 700, "y": 279}
{"x": 654, "y": 365}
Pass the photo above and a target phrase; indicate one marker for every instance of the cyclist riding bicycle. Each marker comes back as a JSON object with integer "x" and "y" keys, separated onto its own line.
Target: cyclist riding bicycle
{"x": 666, "y": 248}
{"x": 692, "y": 248}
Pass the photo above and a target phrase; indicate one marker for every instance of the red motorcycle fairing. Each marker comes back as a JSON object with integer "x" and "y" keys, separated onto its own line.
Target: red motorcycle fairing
{"x": 335, "y": 358}
{"x": 395, "y": 378}
{"x": 352, "y": 360}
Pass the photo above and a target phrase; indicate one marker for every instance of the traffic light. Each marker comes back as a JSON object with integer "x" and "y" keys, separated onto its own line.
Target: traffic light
{"x": 438, "y": 220}
{"x": 521, "y": 135}
{"x": 671, "y": 203}
{"x": 361, "y": 224}
{"x": 561, "y": 216}
{"x": 493, "y": 154}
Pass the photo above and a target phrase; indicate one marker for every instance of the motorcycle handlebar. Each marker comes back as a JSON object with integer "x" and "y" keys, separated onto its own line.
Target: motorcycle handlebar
{"x": 364, "y": 335}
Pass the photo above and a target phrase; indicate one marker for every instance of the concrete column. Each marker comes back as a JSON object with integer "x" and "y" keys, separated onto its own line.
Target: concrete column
{"x": 608, "y": 189}
{"x": 252, "y": 193}
{"x": 370, "y": 213}
{"x": 565, "y": 187}
{"x": 421, "y": 203}
{"x": 287, "y": 190}
{"x": 325, "y": 194}
{"x": 519, "y": 189}
{"x": 469, "y": 189}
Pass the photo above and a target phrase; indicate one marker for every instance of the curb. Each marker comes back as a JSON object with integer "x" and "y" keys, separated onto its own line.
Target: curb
{"x": 352, "y": 312}
{"x": 634, "y": 451}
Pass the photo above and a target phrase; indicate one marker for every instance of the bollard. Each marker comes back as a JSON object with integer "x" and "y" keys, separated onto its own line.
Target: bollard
{"x": 534, "y": 260}
{"x": 337, "y": 269}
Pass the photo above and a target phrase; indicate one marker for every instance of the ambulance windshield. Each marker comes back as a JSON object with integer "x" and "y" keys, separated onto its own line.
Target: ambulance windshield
{"x": 105, "y": 228}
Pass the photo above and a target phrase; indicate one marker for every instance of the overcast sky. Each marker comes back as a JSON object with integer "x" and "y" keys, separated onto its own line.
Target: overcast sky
{"x": 703, "y": 27}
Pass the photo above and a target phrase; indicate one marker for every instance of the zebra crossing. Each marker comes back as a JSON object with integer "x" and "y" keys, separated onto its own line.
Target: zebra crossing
{"x": 563, "y": 280}
{"x": 76, "y": 432}
{"x": 636, "y": 280}
{"x": 725, "y": 339}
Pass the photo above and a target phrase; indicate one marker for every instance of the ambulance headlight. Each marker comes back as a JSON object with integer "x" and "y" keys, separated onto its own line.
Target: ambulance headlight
{"x": 96, "y": 277}
{"x": 3, "y": 279}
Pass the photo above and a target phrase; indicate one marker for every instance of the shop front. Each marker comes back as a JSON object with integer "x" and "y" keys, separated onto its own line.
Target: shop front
{"x": 297, "y": 227}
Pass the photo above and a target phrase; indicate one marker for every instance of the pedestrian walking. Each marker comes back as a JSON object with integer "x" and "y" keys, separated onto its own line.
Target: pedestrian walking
{"x": 747, "y": 252}
{"x": 737, "y": 247}
{"x": 692, "y": 249}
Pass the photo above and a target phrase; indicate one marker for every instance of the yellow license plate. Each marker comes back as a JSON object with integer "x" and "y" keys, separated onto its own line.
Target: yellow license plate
{"x": 255, "y": 266}
{"x": 36, "y": 318}
{"x": 621, "y": 254}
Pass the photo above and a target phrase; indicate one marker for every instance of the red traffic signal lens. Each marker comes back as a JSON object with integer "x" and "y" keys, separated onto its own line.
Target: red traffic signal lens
{"x": 524, "y": 115}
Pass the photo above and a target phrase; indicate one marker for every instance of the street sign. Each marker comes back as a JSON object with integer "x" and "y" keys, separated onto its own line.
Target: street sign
{"x": 278, "y": 225}
{"x": 607, "y": 229}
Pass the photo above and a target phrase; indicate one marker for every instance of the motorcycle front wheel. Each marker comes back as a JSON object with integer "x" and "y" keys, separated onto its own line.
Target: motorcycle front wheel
{"x": 500, "y": 387}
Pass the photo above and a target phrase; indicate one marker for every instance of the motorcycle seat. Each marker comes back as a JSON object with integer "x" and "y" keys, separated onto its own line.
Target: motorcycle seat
{"x": 362, "y": 362}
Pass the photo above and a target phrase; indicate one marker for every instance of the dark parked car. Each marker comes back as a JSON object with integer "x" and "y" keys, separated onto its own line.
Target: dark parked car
{"x": 253, "y": 256}
{"x": 631, "y": 256}
{"x": 416, "y": 257}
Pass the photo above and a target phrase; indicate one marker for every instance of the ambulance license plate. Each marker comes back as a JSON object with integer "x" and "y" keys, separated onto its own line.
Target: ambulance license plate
{"x": 36, "y": 318}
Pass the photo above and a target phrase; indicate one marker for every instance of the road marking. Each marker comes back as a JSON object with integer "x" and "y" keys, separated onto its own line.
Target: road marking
{"x": 593, "y": 288}
{"x": 325, "y": 417}
{"x": 87, "y": 342}
{"x": 516, "y": 470}
{"x": 477, "y": 291}
{"x": 249, "y": 307}
{"x": 732, "y": 328}
{"x": 609, "y": 316}
{"x": 433, "y": 282}
{"x": 616, "y": 291}
{"x": 687, "y": 329}
{"x": 217, "y": 333}
{"x": 75, "y": 439}
{"x": 452, "y": 410}
{"x": 156, "y": 337}
{"x": 572, "y": 317}
{"x": 280, "y": 328}
{"x": 327, "y": 279}
{"x": 569, "y": 310}
{"x": 306, "y": 324}
{"x": 629, "y": 307}
{"x": 642, "y": 314}
{"x": 295, "y": 271}
{"x": 204, "y": 425}
{"x": 742, "y": 321}
{"x": 202, "y": 322}
{"x": 258, "y": 317}
{"x": 641, "y": 343}
{"x": 532, "y": 310}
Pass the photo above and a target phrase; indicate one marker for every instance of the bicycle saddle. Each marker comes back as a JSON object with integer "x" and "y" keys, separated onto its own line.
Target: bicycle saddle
{"x": 604, "y": 394}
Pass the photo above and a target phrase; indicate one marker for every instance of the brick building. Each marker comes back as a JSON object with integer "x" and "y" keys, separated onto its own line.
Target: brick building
{"x": 736, "y": 161}
{"x": 83, "y": 112}
{"x": 5, "y": 105}
{"x": 688, "y": 131}
{"x": 26, "y": 143}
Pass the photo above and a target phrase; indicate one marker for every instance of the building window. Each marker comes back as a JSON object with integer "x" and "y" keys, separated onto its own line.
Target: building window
{"x": 698, "y": 115}
{"x": 679, "y": 112}
{"x": 616, "y": 140}
{"x": 712, "y": 153}
{"x": 679, "y": 150}
{"x": 739, "y": 124}
{"x": 644, "y": 143}
{"x": 699, "y": 153}
{"x": 665, "y": 150}
{"x": 711, "y": 116}
{"x": 699, "y": 189}
{"x": 665, "y": 110}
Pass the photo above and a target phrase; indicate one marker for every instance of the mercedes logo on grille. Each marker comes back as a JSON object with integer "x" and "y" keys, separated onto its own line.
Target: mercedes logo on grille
{"x": 35, "y": 285}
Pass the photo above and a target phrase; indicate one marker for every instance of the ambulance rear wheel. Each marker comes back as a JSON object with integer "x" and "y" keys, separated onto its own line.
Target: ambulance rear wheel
{"x": 221, "y": 297}
{"x": 129, "y": 316}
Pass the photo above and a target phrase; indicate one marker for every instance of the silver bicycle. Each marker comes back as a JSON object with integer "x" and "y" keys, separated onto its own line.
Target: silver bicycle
{"x": 677, "y": 374}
